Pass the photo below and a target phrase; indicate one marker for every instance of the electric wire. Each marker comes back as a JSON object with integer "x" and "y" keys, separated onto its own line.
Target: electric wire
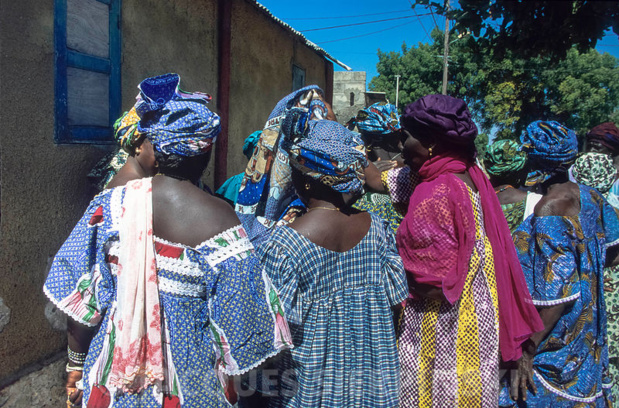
{"x": 358, "y": 24}
{"x": 366, "y": 34}
{"x": 340, "y": 17}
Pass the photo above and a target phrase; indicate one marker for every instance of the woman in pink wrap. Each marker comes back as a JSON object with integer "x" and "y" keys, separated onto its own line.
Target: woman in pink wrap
{"x": 469, "y": 306}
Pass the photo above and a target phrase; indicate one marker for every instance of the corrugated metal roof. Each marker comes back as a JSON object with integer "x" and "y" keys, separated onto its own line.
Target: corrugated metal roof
{"x": 301, "y": 36}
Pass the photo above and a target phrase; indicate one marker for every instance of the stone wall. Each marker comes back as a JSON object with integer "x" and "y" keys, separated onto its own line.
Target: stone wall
{"x": 348, "y": 94}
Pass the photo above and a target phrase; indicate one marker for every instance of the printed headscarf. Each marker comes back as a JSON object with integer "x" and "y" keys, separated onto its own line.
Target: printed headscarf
{"x": 607, "y": 135}
{"x": 378, "y": 119}
{"x": 441, "y": 116}
{"x": 595, "y": 170}
{"x": 126, "y": 131}
{"x": 551, "y": 148}
{"x": 266, "y": 196}
{"x": 250, "y": 143}
{"x": 174, "y": 121}
{"x": 504, "y": 157}
{"x": 325, "y": 151}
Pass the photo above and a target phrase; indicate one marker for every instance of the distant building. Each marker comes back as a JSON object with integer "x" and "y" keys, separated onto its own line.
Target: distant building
{"x": 348, "y": 94}
{"x": 374, "y": 97}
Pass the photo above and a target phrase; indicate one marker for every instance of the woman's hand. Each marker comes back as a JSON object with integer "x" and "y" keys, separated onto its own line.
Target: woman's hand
{"x": 74, "y": 395}
{"x": 384, "y": 165}
{"x": 522, "y": 376}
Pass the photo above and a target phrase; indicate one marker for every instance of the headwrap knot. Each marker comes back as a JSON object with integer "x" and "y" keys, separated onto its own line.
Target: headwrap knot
{"x": 595, "y": 170}
{"x": 441, "y": 116}
{"x": 325, "y": 151}
{"x": 503, "y": 158}
{"x": 607, "y": 135}
{"x": 174, "y": 121}
{"x": 379, "y": 119}
{"x": 551, "y": 148}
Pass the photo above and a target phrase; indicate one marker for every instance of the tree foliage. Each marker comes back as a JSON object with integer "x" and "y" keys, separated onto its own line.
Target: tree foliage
{"x": 506, "y": 94}
{"x": 532, "y": 28}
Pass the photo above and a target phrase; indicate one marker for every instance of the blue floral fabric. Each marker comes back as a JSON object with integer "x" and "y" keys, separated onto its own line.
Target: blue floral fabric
{"x": 550, "y": 146}
{"x": 378, "y": 119}
{"x": 266, "y": 196}
{"x": 338, "y": 305}
{"x": 219, "y": 311}
{"x": 325, "y": 151}
{"x": 175, "y": 122}
{"x": 563, "y": 260}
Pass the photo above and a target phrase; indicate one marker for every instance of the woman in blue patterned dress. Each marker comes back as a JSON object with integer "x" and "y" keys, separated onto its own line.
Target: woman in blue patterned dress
{"x": 166, "y": 296}
{"x": 563, "y": 249}
{"x": 338, "y": 275}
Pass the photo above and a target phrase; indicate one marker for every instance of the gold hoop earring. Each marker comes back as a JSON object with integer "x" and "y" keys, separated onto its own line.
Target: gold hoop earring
{"x": 430, "y": 151}
{"x": 307, "y": 186}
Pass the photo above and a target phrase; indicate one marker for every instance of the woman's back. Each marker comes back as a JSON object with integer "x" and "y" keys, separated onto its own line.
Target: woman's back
{"x": 339, "y": 307}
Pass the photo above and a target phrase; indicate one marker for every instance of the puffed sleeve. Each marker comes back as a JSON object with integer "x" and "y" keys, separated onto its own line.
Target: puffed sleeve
{"x": 545, "y": 247}
{"x": 281, "y": 268}
{"x": 245, "y": 315}
{"x": 79, "y": 282}
{"x": 394, "y": 277}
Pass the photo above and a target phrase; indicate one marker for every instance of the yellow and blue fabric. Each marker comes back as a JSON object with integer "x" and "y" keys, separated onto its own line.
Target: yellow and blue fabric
{"x": 338, "y": 305}
{"x": 175, "y": 122}
{"x": 220, "y": 313}
{"x": 551, "y": 148}
{"x": 266, "y": 196}
{"x": 563, "y": 259}
{"x": 126, "y": 131}
{"x": 378, "y": 119}
{"x": 325, "y": 151}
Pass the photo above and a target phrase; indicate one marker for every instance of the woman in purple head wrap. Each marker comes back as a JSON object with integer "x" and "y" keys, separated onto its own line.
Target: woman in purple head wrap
{"x": 460, "y": 260}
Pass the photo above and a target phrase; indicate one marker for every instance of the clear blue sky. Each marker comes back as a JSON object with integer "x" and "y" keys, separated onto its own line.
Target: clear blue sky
{"x": 359, "y": 53}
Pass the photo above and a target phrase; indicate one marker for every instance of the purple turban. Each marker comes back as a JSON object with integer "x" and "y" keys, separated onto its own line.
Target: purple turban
{"x": 607, "y": 135}
{"x": 440, "y": 116}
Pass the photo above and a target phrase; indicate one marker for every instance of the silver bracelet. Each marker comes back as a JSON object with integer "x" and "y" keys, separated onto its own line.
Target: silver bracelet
{"x": 76, "y": 357}
{"x": 69, "y": 368}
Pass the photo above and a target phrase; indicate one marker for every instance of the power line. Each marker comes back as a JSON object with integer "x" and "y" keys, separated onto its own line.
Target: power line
{"x": 419, "y": 19}
{"x": 335, "y": 18}
{"x": 357, "y": 24}
{"x": 366, "y": 34}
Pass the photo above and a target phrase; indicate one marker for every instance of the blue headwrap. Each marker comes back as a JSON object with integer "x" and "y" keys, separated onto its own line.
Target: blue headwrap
{"x": 325, "y": 151}
{"x": 176, "y": 122}
{"x": 250, "y": 143}
{"x": 378, "y": 119}
{"x": 551, "y": 148}
{"x": 309, "y": 97}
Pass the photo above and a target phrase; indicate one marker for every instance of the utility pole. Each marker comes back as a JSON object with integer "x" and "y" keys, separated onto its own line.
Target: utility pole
{"x": 446, "y": 49}
{"x": 397, "y": 89}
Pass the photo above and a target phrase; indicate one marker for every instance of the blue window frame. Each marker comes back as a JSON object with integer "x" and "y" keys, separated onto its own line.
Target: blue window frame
{"x": 75, "y": 67}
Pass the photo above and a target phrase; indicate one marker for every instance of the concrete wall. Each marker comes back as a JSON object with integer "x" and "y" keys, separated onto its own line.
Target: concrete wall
{"x": 262, "y": 54}
{"x": 43, "y": 185}
{"x": 346, "y": 83}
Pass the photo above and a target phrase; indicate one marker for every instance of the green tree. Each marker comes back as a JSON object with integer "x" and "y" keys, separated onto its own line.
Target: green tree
{"x": 532, "y": 28}
{"x": 506, "y": 94}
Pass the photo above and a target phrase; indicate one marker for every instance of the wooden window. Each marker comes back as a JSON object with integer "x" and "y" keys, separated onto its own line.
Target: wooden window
{"x": 87, "y": 70}
{"x": 298, "y": 77}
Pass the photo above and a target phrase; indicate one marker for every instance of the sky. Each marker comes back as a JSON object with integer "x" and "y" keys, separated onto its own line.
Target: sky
{"x": 356, "y": 45}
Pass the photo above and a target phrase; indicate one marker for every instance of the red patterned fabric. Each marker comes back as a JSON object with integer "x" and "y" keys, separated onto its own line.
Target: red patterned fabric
{"x": 436, "y": 239}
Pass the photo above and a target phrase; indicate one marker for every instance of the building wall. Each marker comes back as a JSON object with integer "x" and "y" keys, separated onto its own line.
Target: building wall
{"x": 346, "y": 83}
{"x": 43, "y": 188}
{"x": 262, "y": 55}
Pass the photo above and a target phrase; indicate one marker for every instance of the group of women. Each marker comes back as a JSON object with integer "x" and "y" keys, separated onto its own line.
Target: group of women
{"x": 371, "y": 269}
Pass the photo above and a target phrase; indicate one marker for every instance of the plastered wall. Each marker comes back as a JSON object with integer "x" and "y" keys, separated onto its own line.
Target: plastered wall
{"x": 43, "y": 186}
{"x": 262, "y": 54}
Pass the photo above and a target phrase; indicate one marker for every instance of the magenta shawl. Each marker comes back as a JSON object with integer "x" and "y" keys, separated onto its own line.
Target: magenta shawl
{"x": 436, "y": 239}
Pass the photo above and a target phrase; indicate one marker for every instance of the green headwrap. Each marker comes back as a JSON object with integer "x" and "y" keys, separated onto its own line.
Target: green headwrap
{"x": 504, "y": 157}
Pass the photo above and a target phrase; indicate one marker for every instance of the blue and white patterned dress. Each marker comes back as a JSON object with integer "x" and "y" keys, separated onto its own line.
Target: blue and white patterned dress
{"x": 562, "y": 259}
{"x": 219, "y": 307}
{"x": 338, "y": 305}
